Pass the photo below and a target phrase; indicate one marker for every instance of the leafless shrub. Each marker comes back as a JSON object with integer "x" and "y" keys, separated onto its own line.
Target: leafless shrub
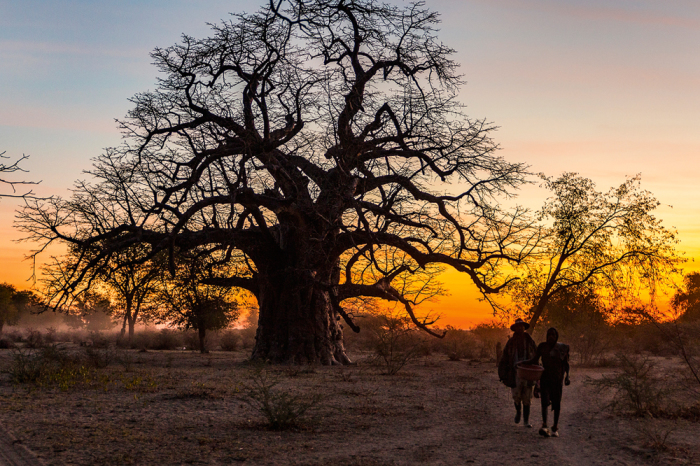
{"x": 396, "y": 343}
{"x": 637, "y": 389}
{"x": 282, "y": 409}
{"x": 34, "y": 338}
{"x": 14, "y": 336}
{"x": 654, "y": 433}
{"x": 99, "y": 357}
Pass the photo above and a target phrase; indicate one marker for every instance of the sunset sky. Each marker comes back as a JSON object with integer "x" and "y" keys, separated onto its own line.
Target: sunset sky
{"x": 604, "y": 88}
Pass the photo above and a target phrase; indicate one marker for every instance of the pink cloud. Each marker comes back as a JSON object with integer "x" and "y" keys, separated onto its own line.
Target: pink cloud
{"x": 601, "y": 13}
{"x": 24, "y": 48}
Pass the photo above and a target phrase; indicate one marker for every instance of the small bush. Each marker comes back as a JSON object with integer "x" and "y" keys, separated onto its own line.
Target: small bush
{"x": 281, "y": 408}
{"x": 34, "y": 338}
{"x": 460, "y": 344}
{"x": 637, "y": 389}
{"x": 191, "y": 340}
{"x": 164, "y": 339}
{"x": 248, "y": 337}
{"x": 229, "y": 340}
{"x": 98, "y": 340}
{"x": 14, "y": 336}
{"x": 99, "y": 357}
{"x": 396, "y": 343}
{"x": 51, "y": 335}
{"x": 49, "y": 366}
{"x": 6, "y": 343}
{"x": 654, "y": 434}
{"x": 26, "y": 367}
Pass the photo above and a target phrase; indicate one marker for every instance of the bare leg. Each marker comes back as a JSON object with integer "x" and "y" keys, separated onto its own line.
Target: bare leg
{"x": 526, "y": 415}
{"x": 544, "y": 431}
{"x": 555, "y": 425}
{"x": 544, "y": 414}
{"x": 517, "y": 413}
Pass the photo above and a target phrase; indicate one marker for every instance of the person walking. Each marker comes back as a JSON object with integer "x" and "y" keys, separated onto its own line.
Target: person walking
{"x": 520, "y": 347}
{"x": 555, "y": 360}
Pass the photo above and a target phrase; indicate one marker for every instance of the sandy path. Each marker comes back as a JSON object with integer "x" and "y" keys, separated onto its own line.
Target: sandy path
{"x": 13, "y": 453}
{"x": 587, "y": 436}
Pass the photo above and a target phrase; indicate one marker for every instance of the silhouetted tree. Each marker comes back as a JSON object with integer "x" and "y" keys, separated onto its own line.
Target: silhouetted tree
{"x": 687, "y": 301}
{"x": 13, "y": 167}
{"x": 187, "y": 302}
{"x": 9, "y": 314}
{"x": 607, "y": 242}
{"x": 14, "y": 304}
{"x": 131, "y": 283}
{"x": 319, "y": 147}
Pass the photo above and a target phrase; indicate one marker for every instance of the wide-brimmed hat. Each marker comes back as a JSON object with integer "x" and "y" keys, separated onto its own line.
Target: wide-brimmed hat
{"x": 519, "y": 321}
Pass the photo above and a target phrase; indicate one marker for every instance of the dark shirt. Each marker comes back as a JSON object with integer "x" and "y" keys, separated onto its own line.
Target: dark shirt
{"x": 519, "y": 348}
{"x": 555, "y": 361}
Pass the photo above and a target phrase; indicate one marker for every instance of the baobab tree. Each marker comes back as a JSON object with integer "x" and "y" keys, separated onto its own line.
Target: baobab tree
{"x": 317, "y": 146}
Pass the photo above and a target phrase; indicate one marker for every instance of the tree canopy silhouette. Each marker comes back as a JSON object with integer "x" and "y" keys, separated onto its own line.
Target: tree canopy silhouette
{"x": 316, "y": 145}
{"x": 608, "y": 242}
{"x": 686, "y": 301}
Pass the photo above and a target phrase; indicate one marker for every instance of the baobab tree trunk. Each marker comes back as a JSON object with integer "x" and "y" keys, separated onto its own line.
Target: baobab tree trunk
{"x": 297, "y": 322}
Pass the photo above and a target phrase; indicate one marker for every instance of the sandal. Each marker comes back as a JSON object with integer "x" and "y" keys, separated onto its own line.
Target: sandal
{"x": 544, "y": 432}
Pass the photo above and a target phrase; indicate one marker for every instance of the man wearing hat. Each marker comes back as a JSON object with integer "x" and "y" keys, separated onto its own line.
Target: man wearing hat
{"x": 520, "y": 347}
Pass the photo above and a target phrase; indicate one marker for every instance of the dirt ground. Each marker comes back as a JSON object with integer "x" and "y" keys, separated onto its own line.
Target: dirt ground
{"x": 177, "y": 407}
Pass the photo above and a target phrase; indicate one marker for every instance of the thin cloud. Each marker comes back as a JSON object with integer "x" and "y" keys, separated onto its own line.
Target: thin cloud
{"x": 603, "y": 13}
{"x": 53, "y": 48}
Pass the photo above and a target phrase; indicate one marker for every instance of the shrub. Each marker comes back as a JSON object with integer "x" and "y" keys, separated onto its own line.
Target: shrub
{"x": 34, "y": 338}
{"x": 281, "y": 408}
{"x": 14, "y": 336}
{"x": 490, "y": 334}
{"x": 228, "y": 340}
{"x": 49, "y": 366}
{"x": 637, "y": 389}
{"x": 26, "y": 367}
{"x": 190, "y": 340}
{"x": 396, "y": 343}
{"x": 248, "y": 337}
{"x": 6, "y": 343}
{"x": 164, "y": 339}
{"x": 99, "y": 357}
{"x": 460, "y": 344}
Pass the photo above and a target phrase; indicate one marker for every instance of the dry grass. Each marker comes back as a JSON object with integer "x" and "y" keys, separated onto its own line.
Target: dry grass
{"x": 195, "y": 409}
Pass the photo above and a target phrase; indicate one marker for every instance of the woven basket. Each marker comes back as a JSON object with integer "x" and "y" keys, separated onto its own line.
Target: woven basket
{"x": 529, "y": 372}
